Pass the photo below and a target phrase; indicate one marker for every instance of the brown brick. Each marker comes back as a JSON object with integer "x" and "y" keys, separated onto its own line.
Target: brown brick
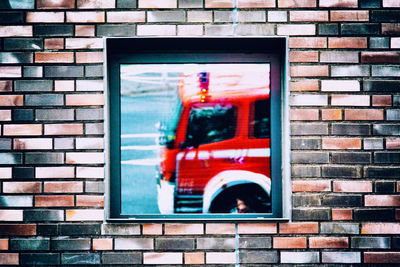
{"x": 311, "y": 185}
{"x": 347, "y": 15}
{"x": 63, "y": 187}
{"x": 6, "y": 86}
{"x": 18, "y": 229}
{"x": 45, "y": 17}
{"x": 86, "y": 17}
{"x": 10, "y": 72}
{"x": 363, "y": 114}
{"x": 22, "y": 187}
{"x": 55, "y": 4}
{"x": 341, "y": 143}
{"x": 4, "y": 244}
{"x": 87, "y": 4}
{"x": 85, "y": 215}
{"x": 220, "y": 228}
{"x": 298, "y": 228}
{"x": 304, "y": 86}
{"x": 380, "y": 228}
{"x": 102, "y": 244}
{"x": 391, "y": 28}
{"x": 184, "y": 229}
{"x": 64, "y": 85}
{"x": 257, "y": 228}
{"x": 32, "y": 143}
{"x": 11, "y": 100}
{"x": 84, "y": 30}
{"x": 303, "y": 56}
{"x": 350, "y": 100}
{"x": 22, "y": 129}
{"x": 382, "y": 201}
{"x": 152, "y": 229}
{"x": 63, "y": 129}
{"x": 342, "y": 214}
{"x": 381, "y": 257}
{"x": 393, "y": 143}
{"x": 89, "y": 201}
{"x": 9, "y": 259}
{"x": 329, "y": 242}
{"x": 309, "y": 71}
{"x": 352, "y": 186}
{"x": 85, "y": 100}
{"x": 158, "y": 4}
{"x": 347, "y": 42}
{"x": 54, "y": 57}
{"x": 380, "y": 57}
{"x": 390, "y": 3}
{"x": 89, "y": 57}
{"x": 256, "y": 3}
{"x": 338, "y": 3}
{"x": 308, "y": 15}
{"x": 54, "y": 201}
{"x": 126, "y": 16}
{"x": 304, "y": 114}
{"x": 54, "y": 43}
{"x": 296, "y": 4}
{"x": 194, "y": 257}
{"x": 331, "y": 114}
{"x": 289, "y": 242}
{"x": 5, "y": 115}
{"x": 16, "y": 31}
{"x": 381, "y": 100}
{"x": 307, "y": 42}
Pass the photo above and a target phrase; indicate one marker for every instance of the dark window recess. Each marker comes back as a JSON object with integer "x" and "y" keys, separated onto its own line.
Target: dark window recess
{"x": 261, "y": 124}
{"x": 211, "y": 124}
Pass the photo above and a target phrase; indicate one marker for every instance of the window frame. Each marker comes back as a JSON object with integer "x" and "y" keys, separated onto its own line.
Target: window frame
{"x": 180, "y": 50}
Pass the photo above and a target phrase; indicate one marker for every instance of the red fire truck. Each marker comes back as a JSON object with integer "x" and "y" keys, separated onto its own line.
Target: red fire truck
{"x": 216, "y": 145}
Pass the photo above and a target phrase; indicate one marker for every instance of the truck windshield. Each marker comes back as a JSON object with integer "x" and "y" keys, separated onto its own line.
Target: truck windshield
{"x": 170, "y": 120}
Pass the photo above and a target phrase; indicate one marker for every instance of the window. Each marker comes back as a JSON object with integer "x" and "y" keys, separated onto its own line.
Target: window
{"x": 195, "y": 128}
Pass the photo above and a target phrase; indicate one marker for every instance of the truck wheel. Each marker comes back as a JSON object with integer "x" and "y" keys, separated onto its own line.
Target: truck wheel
{"x": 253, "y": 196}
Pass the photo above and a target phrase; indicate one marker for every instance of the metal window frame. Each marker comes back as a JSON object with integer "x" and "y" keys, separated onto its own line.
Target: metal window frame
{"x": 164, "y": 50}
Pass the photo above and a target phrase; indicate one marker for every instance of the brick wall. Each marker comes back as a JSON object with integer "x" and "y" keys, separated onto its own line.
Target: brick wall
{"x": 345, "y": 112}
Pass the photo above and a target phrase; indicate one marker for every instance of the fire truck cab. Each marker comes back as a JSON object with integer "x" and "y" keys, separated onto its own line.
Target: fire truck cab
{"x": 215, "y": 145}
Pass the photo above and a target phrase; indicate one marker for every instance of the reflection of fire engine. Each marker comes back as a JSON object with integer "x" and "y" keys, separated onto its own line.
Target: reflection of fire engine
{"x": 216, "y": 145}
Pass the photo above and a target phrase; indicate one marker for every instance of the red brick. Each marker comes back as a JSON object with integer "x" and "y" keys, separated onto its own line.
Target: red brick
{"x": 304, "y": 114}
{"x": 341, "y": 143}
{"x": 257, "y": 228}
{"x": 308, "y": 15}
{"x": 152, "y": 229}
{"x": 344, "y": 15}
{"x": 380, "y": 57}
{"x": 10, "y": 72}
{"x": 22, "y": 129}
{"x": 393, "y": 143}
{"x": 391, "y": 3}
{"x": 86, "y": 4}
{"x": 347, "y": 42}
{"x": 5, "y": 115}
{"x": 63, "y": 187}
{"x": 89, "y": 201}
{"x": 84, "y": 30}
{"x": 380, "y": 228}
{"x": 63, "y": 129}
{"x": 311, "y": 185}
{"x": 54, "y": 57}
{"x": 9, "y": 259}
{"x": 45, "y": 17}
{"x": 220, "y": 228}
{"x": 184, "y": 229}
{"x": 22, "y": 187}
{"x": 331, "y": 114}
{"x": 4, "y": 244}
{"x": 296, "y": 3}
{"x": 338, "y": 3}
{"x": 382, "y": 201}
{"x": 64, "y": 85}
{"x": 350, "y": 100}
{"x": 298, "y": 228}
{"x": 85, "y": 215}
{"x": 304, "y": 86}
{"x": 11, "y": 100}
{"x": 54, "y": 201}
{"x": 352, "y": 186}
{"x": 102, "y": 244}
{"x": 289, "y": 242}
{"x": 363, "y": 114}
{"x": 18, "y": 229}
{"x": 55, "y": 4}
{"x": 303, "y": 56}
{"x": 381, "y": 100}
{"x": 16, "y": 31}
{"x": 89, "y": 57}
{"x": 381, "y": 257}
{"x": 194, "y": 257}
{"x": 160, "y": 4}
{"x": 329, "y": 242}
{"x": 256, "y": 3}
{"x": 32, "y": 143}
{"x": 342, "y": 214}
{"x": 309, "y": 71}
{"x": 86, "y": 17}
{"x": 307, "y": 42}
{"x": 54, "y": 43}
{"x": 6, "y": 86}
{"x": 126, "y": 16}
